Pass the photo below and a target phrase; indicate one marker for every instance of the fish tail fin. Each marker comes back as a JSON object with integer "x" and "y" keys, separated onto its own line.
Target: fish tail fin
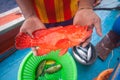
{"x": 23, "y": 40}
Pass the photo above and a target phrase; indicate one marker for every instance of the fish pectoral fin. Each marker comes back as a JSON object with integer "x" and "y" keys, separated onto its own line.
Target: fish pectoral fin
{"x": 63, "y": 43}
{"x": 63, "y": 51}
{"x": 42, "y": 51}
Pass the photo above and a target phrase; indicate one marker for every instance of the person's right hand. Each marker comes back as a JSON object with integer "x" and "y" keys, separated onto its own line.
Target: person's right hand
{"x": 30, "y": 25}
{"x": 97, "y": 2}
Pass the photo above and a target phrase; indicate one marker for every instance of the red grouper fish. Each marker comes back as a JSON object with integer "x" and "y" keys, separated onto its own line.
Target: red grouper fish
{"x": 56, "y": 38}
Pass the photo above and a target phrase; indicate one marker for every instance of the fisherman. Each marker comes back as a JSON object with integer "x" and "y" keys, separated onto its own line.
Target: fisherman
{"x": 41, "y": 14}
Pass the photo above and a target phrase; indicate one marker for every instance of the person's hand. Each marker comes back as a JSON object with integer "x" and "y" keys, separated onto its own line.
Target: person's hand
{"x": 88, "y": 17}
{"x": 97, "y": 2}
{"x": 30, "y": 25}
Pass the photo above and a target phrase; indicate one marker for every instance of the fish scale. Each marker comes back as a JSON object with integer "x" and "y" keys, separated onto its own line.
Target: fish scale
{"x": 56, "y": 38}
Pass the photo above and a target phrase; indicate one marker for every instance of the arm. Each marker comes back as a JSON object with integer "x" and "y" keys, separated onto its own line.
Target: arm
{"x": 27, "y": 8}
{"x": 89, "y": 3}
{"x": 86, "y": 4}
{"x": 86, "y": 16}
{"x": 32, "y": 22}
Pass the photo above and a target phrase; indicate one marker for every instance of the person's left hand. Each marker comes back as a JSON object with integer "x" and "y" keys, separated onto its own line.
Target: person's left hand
{"x": 87, "y": 17}
{"x": 97, "y": 2}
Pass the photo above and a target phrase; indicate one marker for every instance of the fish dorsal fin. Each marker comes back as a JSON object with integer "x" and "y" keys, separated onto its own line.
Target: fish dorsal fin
{"x": 63, "y": 51}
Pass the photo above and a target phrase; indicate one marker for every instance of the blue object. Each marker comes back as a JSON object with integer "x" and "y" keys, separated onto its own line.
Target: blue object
{"x": 116, "y": 72}
{"x": 116, "y": 26}
{"x": 9, "y": 67}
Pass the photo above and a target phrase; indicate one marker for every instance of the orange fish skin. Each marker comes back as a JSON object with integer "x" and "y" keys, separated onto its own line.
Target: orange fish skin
{"x": 56, "y": 38}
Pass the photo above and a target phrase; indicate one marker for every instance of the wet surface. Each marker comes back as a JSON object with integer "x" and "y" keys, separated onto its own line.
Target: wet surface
{"x": 9, "y": 67}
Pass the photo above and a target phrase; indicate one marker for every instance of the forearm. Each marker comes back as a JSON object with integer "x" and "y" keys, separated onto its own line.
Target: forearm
{"x": 27, "y": 8}
{"x": 86, "y": 4}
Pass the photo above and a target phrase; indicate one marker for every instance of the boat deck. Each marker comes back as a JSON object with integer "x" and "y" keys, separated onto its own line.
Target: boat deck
{"x": 9, "y": 66}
